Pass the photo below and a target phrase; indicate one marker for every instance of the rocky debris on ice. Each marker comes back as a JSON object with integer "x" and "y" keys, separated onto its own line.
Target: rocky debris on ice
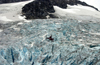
{"x": 74, "y": 42}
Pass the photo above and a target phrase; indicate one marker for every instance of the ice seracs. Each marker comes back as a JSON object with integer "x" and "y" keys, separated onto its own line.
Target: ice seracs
{"x": 72, "y": 40}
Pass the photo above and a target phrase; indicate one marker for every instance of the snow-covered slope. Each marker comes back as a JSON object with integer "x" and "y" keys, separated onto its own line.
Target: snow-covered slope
{"x": 12, "y": 11}
{"x": 77, "y": 10}
{"x": 95, "y": 3}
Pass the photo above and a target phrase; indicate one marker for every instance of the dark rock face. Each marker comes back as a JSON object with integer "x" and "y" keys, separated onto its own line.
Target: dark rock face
{"x": 37, "y": 9}
{"x": 41, "y": 8}
{"x": 71, "y": 2}
{"x": 10, "y": 1}
{"x": 60, "y": 3}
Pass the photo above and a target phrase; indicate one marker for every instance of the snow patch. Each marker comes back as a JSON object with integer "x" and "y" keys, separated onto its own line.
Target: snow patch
{"x": 1, "y": 30}
{"x": 20, "y": 23}
{"x": 4, "y": 18}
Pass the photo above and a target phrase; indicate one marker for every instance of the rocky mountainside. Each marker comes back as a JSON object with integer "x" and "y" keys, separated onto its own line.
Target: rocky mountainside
{"x": 39, "y": 9}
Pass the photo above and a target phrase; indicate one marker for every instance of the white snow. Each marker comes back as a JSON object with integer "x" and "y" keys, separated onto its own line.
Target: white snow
{"x": 77, "y": 10}
{"x": 95, "y": 3}
{"x": 20, "y": 23}
{"x": 4, "y": 18}
{"x": 12, "y": 11}
{"x": 1, "y": 30}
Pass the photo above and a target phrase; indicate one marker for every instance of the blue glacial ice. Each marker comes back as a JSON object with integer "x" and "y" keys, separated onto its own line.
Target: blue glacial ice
{"x": 74, "y": 43}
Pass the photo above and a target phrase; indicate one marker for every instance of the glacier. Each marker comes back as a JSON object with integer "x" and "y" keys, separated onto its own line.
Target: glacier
{"x": 75, "y": 42}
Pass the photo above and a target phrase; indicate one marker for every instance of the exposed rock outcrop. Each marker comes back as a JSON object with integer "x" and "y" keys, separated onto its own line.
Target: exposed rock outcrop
{"x": 39, "y": 9}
